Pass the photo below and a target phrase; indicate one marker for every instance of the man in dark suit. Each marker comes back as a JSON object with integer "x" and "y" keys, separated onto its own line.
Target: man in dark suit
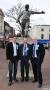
{"x": 24, "y": 57}
{"x": 12, "y": 53}
{"x": 38, "y": 53}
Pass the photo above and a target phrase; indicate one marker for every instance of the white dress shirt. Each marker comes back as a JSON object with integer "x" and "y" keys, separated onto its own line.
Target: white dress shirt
{"x": 15, "y": 49}
{"x": 36, "y": 48}
{"x": 25, "y": 49}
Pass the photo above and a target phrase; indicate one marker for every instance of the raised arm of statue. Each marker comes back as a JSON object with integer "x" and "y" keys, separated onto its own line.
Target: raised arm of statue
{"x": 36, "y": 12}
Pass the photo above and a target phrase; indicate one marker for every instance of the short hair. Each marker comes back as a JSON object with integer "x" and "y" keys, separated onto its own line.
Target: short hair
{"x": 14, "y": 36}
{"x": 25, "y": 36}
{"x": 10, "y": 36}
{"x": 27, "y": 6}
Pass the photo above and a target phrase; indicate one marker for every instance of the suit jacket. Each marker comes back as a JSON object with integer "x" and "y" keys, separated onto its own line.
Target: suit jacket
{"x": 21, "y": 51}
{"x": 40, "y": 52}
{"x": 10, "y": 51}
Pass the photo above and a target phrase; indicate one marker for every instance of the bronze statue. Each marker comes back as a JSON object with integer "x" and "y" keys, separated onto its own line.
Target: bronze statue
{"x": 26, "y": 18}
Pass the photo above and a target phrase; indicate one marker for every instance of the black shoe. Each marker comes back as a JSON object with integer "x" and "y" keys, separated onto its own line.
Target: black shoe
{"x": 34, "y": 81}
{"x": 15, "y": 80}
{"x": 40, "y": 85}
{"x": 26, "y": 79}
{"x": 22, "y": 80}
{"x": 10, "y": 83}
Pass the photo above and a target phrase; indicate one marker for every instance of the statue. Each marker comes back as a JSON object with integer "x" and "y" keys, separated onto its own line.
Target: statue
{"x": 26, "y": 18}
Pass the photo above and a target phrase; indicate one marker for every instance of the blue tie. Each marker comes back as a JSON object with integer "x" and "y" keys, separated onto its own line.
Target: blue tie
{"x": 34, "y": 51}
{"x": 25, "y": 51}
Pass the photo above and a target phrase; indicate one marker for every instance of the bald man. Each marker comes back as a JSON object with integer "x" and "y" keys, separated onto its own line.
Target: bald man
{"x": 38, "y": 53}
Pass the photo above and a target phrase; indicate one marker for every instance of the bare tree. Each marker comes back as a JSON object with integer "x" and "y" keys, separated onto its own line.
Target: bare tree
{"x": 14, "y": 11}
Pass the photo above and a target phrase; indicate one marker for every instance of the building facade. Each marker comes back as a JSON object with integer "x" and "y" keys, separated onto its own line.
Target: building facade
{"x": 41, "y": 32}
{"x": 8, "y": 30}
{"x": 1, "y": 23}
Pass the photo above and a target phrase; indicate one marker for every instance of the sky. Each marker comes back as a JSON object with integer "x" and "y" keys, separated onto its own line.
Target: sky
{"x": 34, "y": 4}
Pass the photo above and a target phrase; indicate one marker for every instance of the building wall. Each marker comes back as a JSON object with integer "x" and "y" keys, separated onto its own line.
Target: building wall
{"x": 1, "y": 24}
{"x": 37, "y": 32}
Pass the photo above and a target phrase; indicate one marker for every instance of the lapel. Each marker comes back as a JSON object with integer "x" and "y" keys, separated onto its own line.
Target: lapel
{"x": 32, "y": 46}
{"x": 22, "y": 47}
{"x": 11, "y": 47}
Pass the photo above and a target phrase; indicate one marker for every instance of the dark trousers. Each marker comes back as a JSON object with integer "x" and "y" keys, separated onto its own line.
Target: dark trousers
{"x": 39, "y": 74}
{"x": 24, "y": 64}
{"x": 13, "y": 69}
{"x": 36, "y": 66}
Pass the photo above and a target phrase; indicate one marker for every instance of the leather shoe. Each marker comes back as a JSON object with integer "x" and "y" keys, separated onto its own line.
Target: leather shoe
{"x": 10, "y": 83}
{"x": 40, "y": 85}
{"x": 15, "y": 80}
{"x": 22, "y": 80}
{"x": 26, "y": 79}
{"x": 34, "y": 81}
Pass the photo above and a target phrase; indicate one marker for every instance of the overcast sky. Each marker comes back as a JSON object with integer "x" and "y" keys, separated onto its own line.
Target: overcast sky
{"x": 39, "y": 4}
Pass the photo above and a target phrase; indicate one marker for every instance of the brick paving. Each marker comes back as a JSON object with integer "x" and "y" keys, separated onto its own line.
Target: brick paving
{"x": 26, "y": 85}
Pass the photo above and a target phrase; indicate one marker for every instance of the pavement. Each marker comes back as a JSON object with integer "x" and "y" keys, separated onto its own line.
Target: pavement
{"x": 26, "y": 85}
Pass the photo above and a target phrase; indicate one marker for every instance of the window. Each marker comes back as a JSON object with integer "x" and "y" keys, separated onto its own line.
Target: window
{"x": 42, "y": 29}
{"x": 42, "y": 36}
